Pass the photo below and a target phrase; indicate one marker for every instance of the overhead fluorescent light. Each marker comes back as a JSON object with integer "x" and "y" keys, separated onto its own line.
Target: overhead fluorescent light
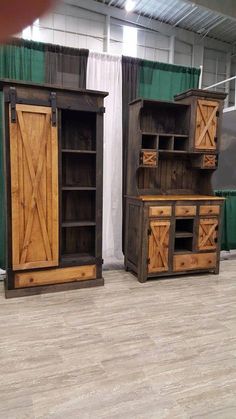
{"x": 129, "y": 5}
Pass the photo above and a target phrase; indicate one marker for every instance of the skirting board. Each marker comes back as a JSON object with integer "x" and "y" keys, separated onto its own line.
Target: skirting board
{"x": 27, "y": 292}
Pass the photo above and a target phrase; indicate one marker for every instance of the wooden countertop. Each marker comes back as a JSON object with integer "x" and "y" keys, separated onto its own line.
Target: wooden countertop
{"x": 145, "y": 198}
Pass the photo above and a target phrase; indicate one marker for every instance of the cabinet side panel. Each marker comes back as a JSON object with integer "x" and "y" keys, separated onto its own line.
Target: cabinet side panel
{"x": 133, "y": 234}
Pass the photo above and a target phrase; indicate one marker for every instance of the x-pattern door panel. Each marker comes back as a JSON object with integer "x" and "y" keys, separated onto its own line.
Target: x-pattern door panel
{"x": 159, "y": 246}
{"x": 34, "y": 188}
{"x": 206, "y": 125}
{"x": 208, "y": 233}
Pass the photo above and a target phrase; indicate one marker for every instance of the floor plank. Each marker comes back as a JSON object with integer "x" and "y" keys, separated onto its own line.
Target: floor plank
{"x": 164, "y": 349}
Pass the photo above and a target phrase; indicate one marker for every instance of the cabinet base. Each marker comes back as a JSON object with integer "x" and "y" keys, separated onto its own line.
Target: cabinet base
{"x": 46, "y": 289}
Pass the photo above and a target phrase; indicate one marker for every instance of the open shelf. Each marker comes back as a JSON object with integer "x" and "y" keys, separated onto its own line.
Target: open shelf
{"x": 149, "y": 142}
{"x": 166, "y": 142}
{"x": 165, "y": 118}
{"x": 78, "y": 151}
{"x": 183, "y": 244}
{"x": 78, "y": 207}
{"x": 77, "y": 258}
{"x": 180, "y": 143}
{"x": 68, "y": 224}
{"x": 78, "y": 130}
{"x": 183, "y": 234}
{"x": 79, "y": 170}
{"x": 78, "y": 241}
{"x": 77, "y": 188}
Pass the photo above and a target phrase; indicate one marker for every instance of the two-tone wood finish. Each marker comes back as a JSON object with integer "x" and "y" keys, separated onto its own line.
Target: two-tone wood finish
{"x": 172, "y": 220}
{"x": 54, "y": 155}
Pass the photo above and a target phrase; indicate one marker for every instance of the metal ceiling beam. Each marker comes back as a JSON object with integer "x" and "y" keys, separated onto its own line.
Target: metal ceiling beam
{"x": 225, "y": 8}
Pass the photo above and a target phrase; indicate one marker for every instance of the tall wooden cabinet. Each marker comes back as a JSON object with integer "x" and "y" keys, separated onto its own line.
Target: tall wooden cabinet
{"x": 53, "y": 164}
{"x": 173, "y": 221}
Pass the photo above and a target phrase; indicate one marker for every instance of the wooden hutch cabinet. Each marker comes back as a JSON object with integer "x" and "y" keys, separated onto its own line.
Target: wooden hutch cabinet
{"x": 173, "y": 221}
{"x": 53, "y": 164}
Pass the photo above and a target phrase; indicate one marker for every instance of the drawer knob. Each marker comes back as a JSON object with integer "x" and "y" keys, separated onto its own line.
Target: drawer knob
{"x": 161, "y": 212}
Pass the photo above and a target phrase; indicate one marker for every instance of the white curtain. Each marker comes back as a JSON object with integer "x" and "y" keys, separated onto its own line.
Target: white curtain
{"x": 104, "y": 72}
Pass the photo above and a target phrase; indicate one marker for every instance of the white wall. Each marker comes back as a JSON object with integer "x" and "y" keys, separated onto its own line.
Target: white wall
{"x": 74, "y": 26}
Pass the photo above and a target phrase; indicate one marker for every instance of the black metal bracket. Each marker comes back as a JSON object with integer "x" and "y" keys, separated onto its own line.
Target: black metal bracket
{"x": 217, "y": 114}
{"x": 53, "y": 100}
{"x": 148, "y": 261}
{"x": 13, "y": 104}
{"x": 102, "y": 110}
{"x": 149, "y": 232}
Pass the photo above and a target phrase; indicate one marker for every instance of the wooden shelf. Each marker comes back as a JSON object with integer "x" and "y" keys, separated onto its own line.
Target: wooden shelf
{"x": 182, "y": 252}
{"x": 78, "y": 188}
{"x": 183, "y": 234}
{"x": 68, "y": 224}
{"x": 173, "y": 151}
{"x": 164, "y": 134}
{"x": 78, "y": 151}
{"x": 76, "y": 257}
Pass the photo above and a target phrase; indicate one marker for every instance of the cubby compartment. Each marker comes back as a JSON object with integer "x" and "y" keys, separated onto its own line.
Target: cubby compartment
{"x": 78, "y": 170}
{"x": 165, "y": 142}
{"x": 184, "y": 226}
{"x": 78, "y": 206}
{"x": 180, "y": 143}
{"x": 149, "y": 142}
{"x": 165, "y": 117}
{"x": 183, "y": 244}
{"x": 78, "y": 130}
{"x": 78, "y": 242}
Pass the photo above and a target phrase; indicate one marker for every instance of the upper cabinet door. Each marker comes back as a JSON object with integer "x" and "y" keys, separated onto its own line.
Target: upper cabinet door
{"x": 34, "y": 188}
{"x": 159, "y": 246}
{"x": 206, "y": 125}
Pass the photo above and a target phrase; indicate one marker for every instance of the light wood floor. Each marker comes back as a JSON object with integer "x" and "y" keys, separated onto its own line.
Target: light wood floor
{"x": 165, "y": 349}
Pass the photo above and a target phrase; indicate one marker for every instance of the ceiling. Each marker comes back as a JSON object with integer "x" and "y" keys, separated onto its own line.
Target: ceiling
{"x": 186, "y": 15}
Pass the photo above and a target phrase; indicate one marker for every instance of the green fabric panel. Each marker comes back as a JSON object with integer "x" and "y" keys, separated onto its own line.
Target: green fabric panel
{"x": 229, "y": 219}
{"x": 164, "y": 81}
{"x": 22, "y": 63}
{"x": 25, "y": 62}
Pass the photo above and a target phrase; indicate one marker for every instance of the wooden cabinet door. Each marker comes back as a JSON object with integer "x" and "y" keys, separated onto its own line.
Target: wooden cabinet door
{"x": 159, "y": 246}
{"x": 34, "y": 188}
{"x": 208, "y": 233}
{"x": 206, "y": 125}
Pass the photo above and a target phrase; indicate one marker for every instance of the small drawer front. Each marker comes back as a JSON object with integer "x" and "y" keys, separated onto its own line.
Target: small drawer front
{"x": 160, "y": 211}
{"x": 55, "y": 276}
{"x": 185, "y": 211}
{"x": 194, "y": 262}
{"x": 209, "y": 210}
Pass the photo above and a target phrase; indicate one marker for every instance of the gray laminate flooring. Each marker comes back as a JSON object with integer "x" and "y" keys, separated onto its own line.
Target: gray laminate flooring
{"x": 165, "y": 349}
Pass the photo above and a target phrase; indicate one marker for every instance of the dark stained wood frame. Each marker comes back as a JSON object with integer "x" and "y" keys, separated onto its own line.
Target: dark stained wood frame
{"x": 79, "y": 100}
{"x": 139, "y": 218}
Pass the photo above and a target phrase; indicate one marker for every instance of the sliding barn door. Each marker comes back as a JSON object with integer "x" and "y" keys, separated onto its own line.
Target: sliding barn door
{"x": 206, "y": 126}
{"x": 34, "y": 188}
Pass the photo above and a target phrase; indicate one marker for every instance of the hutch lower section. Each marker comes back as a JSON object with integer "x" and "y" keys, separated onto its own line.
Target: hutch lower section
{"x": 170, "y": 235}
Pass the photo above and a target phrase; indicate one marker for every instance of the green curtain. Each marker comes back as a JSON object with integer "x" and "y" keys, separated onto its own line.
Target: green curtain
{"x": 164, "y": 81}
{"x": 229, "y": 219}
{"x": 19, "y": 60}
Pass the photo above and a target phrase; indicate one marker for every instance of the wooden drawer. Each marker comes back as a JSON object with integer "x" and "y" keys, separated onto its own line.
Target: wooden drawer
{"x": 185, "y": 211}
{"x": 209, "y": 210}
{"x": 55, "y": 276}
{"x": 160, "y": 211}
{"x": 194, "y": 262}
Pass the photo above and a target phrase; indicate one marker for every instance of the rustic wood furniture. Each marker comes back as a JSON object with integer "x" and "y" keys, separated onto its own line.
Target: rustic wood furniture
{"x": 53, "y": 164}
{"x": 173, "y": 221}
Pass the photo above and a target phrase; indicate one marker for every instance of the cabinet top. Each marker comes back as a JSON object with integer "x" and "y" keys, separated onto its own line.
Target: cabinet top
{"x": 145, "y": 198}
{"x": 45, "y": 86}
{"x": 208, "y": 94}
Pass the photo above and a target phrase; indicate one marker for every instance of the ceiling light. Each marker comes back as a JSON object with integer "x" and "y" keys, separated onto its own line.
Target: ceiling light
{"x": 129, "y": 5}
